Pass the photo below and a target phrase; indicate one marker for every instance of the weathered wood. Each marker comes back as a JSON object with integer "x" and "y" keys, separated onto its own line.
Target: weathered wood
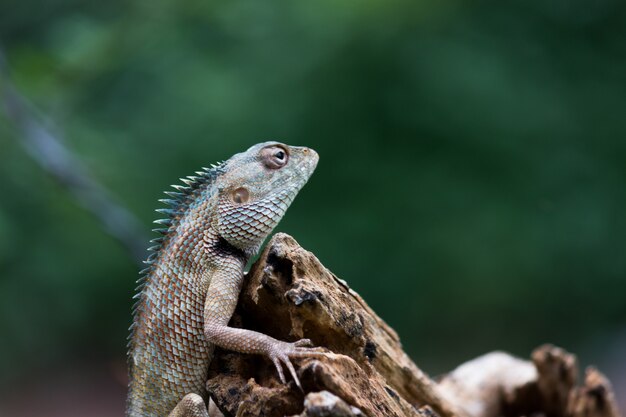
{"x": 480, "y": 387}
{"x": 290, "y": 295}
{"x": 594, "y": 399}
{"x": 498, "y": 384}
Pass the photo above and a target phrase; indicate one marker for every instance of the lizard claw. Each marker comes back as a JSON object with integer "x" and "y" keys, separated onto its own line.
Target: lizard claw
{"x": 283, "y": 359}
{"x": 282, "y": 352}
{"x": 279, "y": 368}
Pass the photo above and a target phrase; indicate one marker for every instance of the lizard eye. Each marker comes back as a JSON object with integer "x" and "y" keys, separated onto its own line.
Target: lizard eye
{"x": 240, "y": 195}
{"x": 274, "y": 157}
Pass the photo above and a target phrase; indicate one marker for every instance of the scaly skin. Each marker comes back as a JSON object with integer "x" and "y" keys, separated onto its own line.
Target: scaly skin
{"x": 194, "y": 278}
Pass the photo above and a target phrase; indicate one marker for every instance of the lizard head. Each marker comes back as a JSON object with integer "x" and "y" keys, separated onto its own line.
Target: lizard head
{"x": 256, "y": 188}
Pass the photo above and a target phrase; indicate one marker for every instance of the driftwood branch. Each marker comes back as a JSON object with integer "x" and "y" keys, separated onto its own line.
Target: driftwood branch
{"x": 290, "y": 295}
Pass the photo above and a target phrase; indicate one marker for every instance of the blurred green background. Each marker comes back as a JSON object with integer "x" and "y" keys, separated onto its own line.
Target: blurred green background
{"x": 471, "y": 185}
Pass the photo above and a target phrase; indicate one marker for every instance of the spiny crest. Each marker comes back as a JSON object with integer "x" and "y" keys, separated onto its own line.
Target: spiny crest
{"x": 178, "y": 203}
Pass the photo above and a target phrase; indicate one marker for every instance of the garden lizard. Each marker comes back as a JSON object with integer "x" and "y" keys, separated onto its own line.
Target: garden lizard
{"x": 190, "y": 288}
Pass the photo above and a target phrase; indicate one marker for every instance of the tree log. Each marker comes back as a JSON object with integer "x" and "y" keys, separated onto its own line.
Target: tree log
{"x": 290, "y": 295}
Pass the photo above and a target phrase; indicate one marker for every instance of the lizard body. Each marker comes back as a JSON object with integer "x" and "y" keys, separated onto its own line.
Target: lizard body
{"x": 214, "y": 225}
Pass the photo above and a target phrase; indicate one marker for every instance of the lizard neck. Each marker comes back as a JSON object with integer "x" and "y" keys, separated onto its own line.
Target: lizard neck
{"x": 195, "y": 240}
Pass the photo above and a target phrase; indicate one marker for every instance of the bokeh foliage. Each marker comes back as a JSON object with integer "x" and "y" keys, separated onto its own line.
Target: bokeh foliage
{"x": 473, "y": 159}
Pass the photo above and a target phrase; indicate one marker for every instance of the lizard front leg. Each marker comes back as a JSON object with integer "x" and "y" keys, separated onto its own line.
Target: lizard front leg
{"x": 221, "y": 300}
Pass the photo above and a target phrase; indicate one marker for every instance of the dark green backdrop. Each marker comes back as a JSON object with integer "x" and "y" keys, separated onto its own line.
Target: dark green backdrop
{"x": 471, "y": 185}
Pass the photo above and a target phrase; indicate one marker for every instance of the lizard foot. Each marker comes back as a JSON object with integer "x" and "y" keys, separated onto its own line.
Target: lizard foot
{"x": 192, "y": 405}
{"x": 280, "y": 353}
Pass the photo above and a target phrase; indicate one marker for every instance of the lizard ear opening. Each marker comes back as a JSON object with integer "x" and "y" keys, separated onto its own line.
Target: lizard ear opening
{"x": 240, "y": 195}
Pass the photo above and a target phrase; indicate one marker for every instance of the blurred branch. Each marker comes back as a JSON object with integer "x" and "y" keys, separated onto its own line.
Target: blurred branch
{"x": 66, "y": 168}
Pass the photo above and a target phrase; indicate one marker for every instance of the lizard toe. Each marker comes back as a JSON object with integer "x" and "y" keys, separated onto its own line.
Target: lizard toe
{"x": 303, "y": 343}
{"x": 279, "y": 369}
